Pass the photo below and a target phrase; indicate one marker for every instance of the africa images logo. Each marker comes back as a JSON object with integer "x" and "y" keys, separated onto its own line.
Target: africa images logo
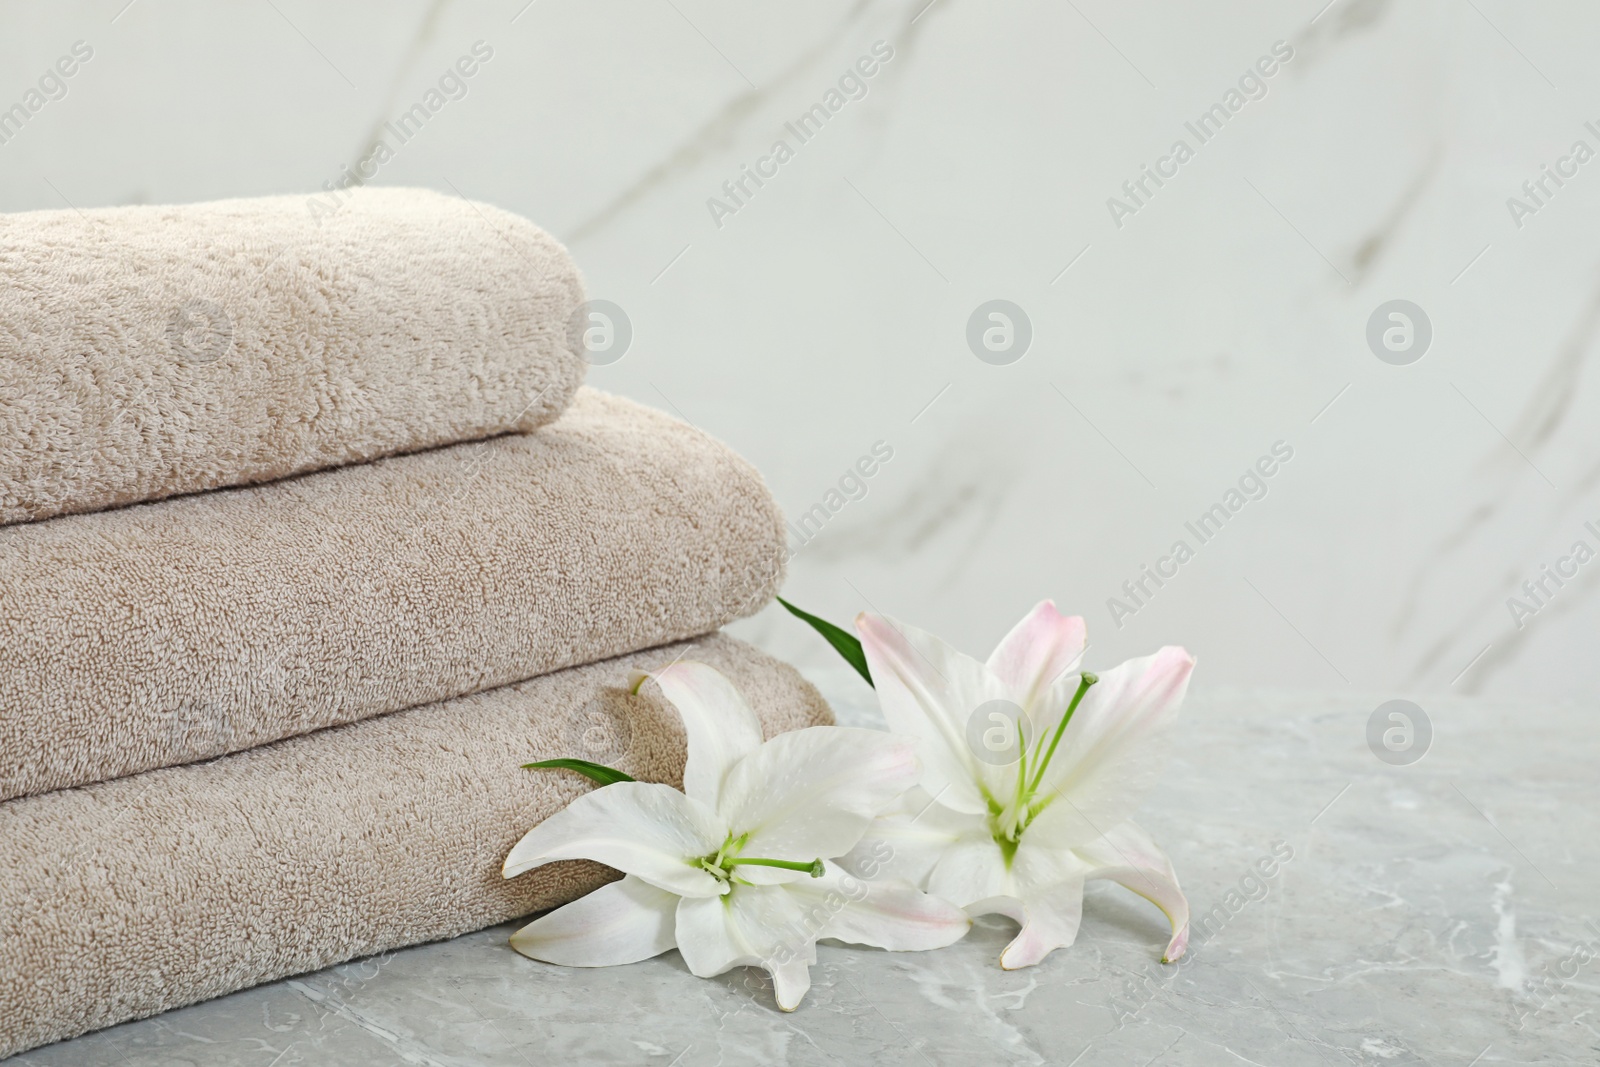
{"x": 52, "y": 85}
{"x": 1252, "y": 85}
{"x": 852, "y": 85}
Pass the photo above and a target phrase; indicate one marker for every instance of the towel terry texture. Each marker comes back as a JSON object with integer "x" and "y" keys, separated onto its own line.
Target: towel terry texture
{"x": 131, "y": 897}
{"x": 151, "y": 351}
{"x": 309, "y": 539}
{"x": 155, "y": 635}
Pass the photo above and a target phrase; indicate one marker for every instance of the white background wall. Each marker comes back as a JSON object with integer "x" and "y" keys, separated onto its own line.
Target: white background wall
{"x": 831, "y": 309}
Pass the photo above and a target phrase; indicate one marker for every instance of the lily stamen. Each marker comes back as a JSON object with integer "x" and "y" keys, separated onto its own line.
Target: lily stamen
{"x": 814, "y": 868}
{"x": 1084, "y": 682}
{"x": 1008, "y": 821}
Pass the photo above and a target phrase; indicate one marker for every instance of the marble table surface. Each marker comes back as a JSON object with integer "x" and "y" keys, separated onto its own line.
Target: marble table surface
{"x": 1438, "y": 912}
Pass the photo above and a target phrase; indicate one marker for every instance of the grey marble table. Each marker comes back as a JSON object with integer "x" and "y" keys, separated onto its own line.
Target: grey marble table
{"x": 1440, "y": 912}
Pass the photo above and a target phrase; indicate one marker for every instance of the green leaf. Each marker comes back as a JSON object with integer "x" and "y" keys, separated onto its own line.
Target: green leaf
{"x": 843, "y": 641}
{"x": 598, "y": 772}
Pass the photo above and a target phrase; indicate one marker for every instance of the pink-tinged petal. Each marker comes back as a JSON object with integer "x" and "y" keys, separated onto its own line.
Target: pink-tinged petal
{"x": 908, "y": 839}
{"x": 1129, "y": 857}
{"x": 884, "y": 914}
{"x": 719, "y": 724}
{"x": 812, "y": 793}
{"x": 929, "y": 691}
{"x": 1113, "y": 747}
{"x": 972, "y": 869}
{"x": 1008, "y": 906}
{"x": 1050, "y": 921}
{"x": 1177, "y": 946}
{"x": 623, "y": 922}
{"x": 640, "y": 828}
{"x": 1038, "y": 651}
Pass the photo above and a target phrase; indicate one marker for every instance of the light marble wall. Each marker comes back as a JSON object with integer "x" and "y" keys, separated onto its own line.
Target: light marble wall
{"x": 829, "y": 313}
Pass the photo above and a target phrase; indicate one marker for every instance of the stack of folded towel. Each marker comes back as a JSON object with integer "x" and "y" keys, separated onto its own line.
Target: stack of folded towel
{"x": 310, "y": 539}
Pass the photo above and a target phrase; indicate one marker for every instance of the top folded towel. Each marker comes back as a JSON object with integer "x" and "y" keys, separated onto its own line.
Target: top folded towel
{"x": 151, "y": 351}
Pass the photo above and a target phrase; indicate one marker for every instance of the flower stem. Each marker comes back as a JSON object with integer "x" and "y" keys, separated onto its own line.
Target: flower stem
{"x": 1084, "y": 682}
{"x": 814, "y": 868}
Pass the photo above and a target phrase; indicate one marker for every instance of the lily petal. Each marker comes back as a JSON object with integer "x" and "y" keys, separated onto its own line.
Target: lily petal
{"x": 1040, "y": 865}
{"x": 906, "y": 841}
{"x": 790, "y": 983}
{"x": 720, "y": 726}
{"x": 1129, "y": 857}
{"x": 884, "y": 914}
{"x": 811, "y": 794}
{"x": 641, "y": 828}
{"x": 971, "y": 869}
{"x": 928, "y": 690}
{"x": 706, "y": 939}
{"x": 1038, "y": 651}
{"x": 753, "y": 926}
{"x": 1050, "y": 921}
{"x": 623, "y": 922}
{"x": 1108, "y": 757}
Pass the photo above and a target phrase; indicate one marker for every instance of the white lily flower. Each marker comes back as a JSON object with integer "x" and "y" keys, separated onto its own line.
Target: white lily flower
{"x": 1018, "y": 834}
{"x": 731, "y": 871}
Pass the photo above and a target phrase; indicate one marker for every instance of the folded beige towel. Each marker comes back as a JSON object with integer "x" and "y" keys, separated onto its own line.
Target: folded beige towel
{"x": 149, "y": 351}
{"x": 131, "y": 897}
{"x": 163, "y": 633}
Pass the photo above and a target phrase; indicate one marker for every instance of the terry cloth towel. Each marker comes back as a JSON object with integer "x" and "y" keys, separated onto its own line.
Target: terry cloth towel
{"x": 131, "y": 897}
{"x": 150, "y": 351}
{"x": 164, "y": 633}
